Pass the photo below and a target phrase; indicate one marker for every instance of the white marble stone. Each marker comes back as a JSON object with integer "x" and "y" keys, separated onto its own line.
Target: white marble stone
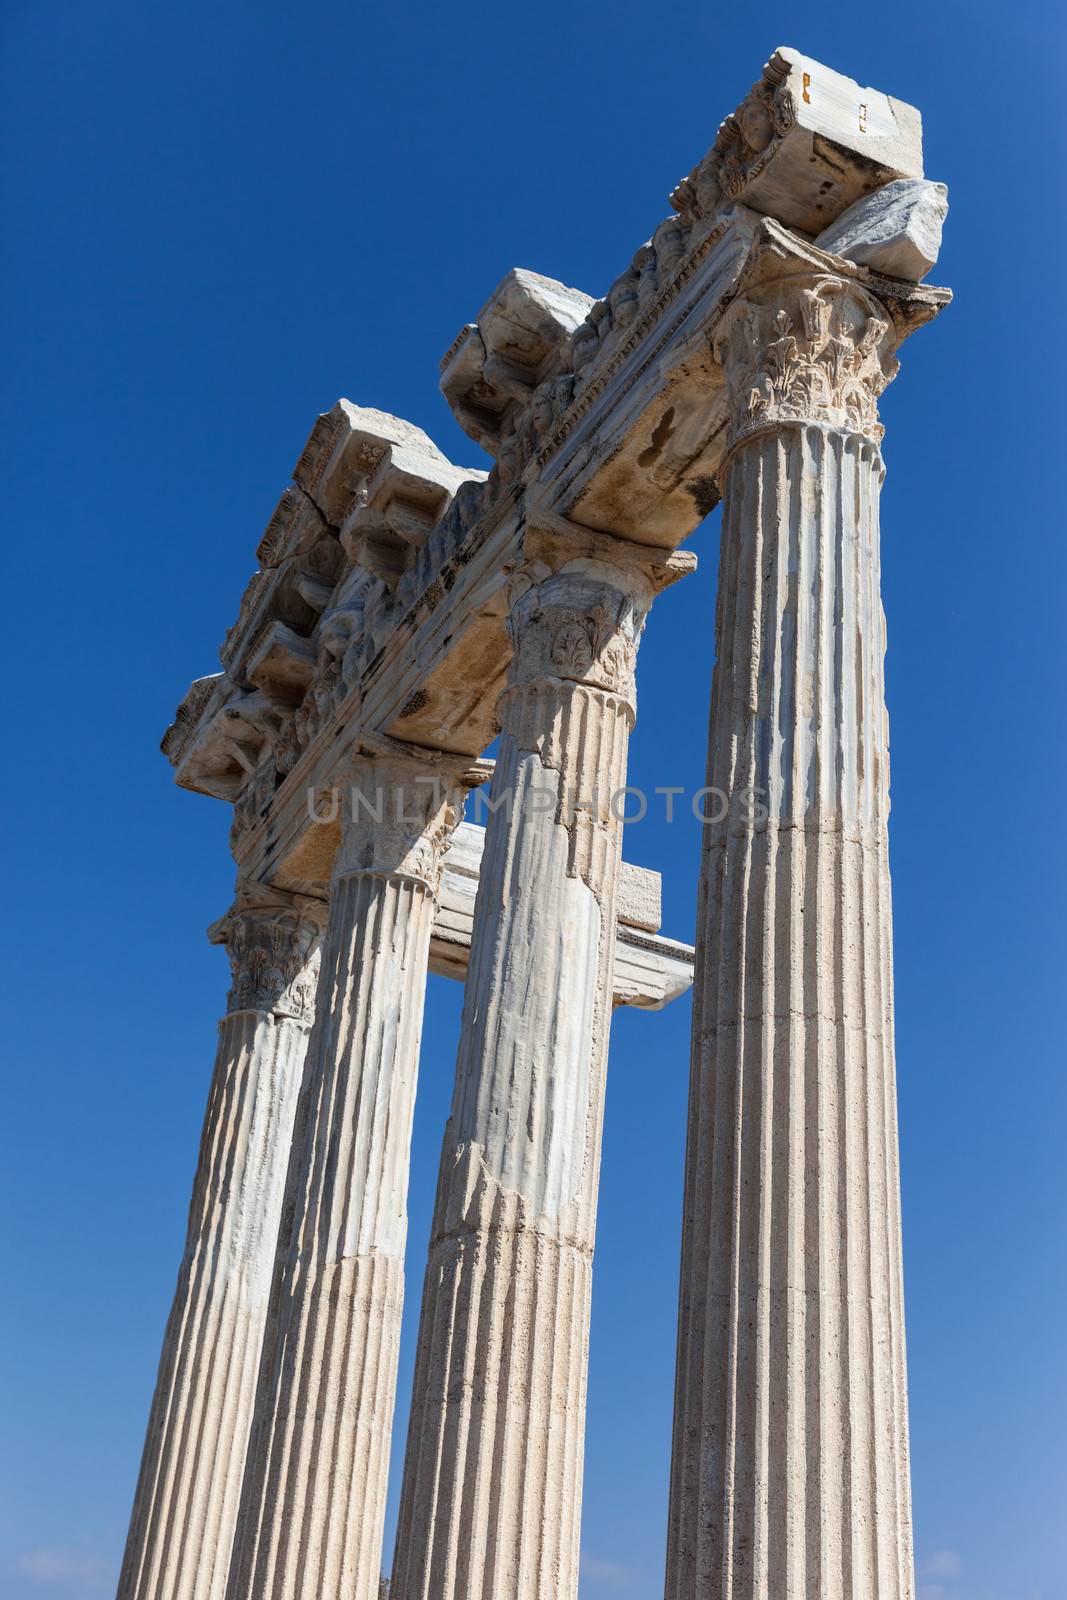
{"x": 313, "y": 1499}
{"x": 803, "y": 145}
{"x": 790, "y": 1462}
{"x": 896, "y": 230}
{"x": 402, "y": 599}
{"x": 650, "y": 971}
{"x": 185, "y": 1510}
{"x": 492, "y": 367}
{"x": 491, "y": 1495}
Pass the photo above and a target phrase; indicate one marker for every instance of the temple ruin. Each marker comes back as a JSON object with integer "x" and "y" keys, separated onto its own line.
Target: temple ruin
{"x": 404, "y": 614}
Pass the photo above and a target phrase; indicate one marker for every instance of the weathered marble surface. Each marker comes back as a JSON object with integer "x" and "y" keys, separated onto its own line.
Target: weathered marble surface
{"x": 650, "y": 970}
{"x": 400, "y": 598}
{"x": 611, "y": 413}
{"x": 790, "y": 1461}
{"x": 803, "y": 145}
{"x": 313, "y": 1498}
{"x": 185, "y": 1509}
{"x": 896, "y": 230}
{"x": 503, "y": 1342}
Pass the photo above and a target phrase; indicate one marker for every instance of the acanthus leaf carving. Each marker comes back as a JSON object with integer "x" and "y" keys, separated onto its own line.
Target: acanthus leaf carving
{"x": 271, "y": 940}
{"x": 816, "y": 349}
{"x": 571, "y": 627}
{"x": 401, "y": 807}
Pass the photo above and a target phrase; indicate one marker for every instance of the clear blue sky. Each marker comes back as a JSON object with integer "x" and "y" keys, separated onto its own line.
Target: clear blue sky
{"x": 222, "y": 217}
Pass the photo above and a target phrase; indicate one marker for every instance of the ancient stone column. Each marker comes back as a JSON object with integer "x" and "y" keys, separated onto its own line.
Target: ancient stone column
{"x": 313, "y": 1501}
{"x": 790, "y": 1467}
{"x": 492, "y": 1478}
{"x": 185, "y": 1509}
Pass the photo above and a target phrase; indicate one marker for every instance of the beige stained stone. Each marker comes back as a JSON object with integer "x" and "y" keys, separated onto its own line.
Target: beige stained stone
{"x": 403, "y": 612}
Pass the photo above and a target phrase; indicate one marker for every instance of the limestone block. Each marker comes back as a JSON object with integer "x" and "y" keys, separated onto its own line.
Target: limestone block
{"x": 650, "y": 971}
{"x": 494, "y": 364}
{"x": 639, "y": 892}
{"x": 295, "y": 592}
{"x": 803, "y": 145}
{"x": 179, "y": 736}
{"x": 640, "y": 900}
{"x": 281, "y": 664}
{"x": 525, "y": 318}
{"x": 402, "y": 499}
{"x": 381, "y": 481}
{"x": 386, "y": 485}
{"x": 344, "y": 448}
{"x": 895, "y": 230}
{"x": 296, "y": 525}
{"x": 225, "y": 747}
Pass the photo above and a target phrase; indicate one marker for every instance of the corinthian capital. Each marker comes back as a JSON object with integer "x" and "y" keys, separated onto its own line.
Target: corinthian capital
{"x": 271, "y": 938}
{"x": 399, "y": 809}
{"x": 806, "y": 349}
{"x": 579, "y": 603}
{"x": 577, "y": 627}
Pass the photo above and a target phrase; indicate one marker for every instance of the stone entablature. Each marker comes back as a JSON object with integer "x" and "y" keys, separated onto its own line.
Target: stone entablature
{"x": 623, "y": 432}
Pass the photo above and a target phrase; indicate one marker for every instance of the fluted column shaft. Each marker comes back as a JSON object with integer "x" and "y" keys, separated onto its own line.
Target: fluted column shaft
{"x": 185, "y": 1509}
{"x": 313, "y": 1502}
{"x": 491, "y": 1497}
{"x": 790, "y": 1466}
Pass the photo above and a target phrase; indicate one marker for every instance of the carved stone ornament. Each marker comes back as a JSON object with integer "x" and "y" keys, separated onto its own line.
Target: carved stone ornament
{"x": 811, "y": 349}
{"x": 398, "y": 812}
{"x": 340, "y": 640}
{"x": 576, "y": 627}
{"x": 746, "y": 141}
{"x": 182, "y": 730}
{"x": 270, "y": 939}
{"x": 749, "y": 135}
{"x": 254, "y": 798}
